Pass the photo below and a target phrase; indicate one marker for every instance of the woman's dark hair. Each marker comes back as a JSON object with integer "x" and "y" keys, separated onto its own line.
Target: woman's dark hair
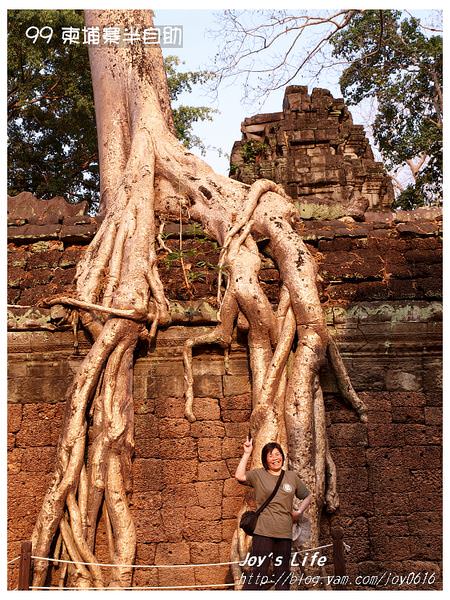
{"x": 268, "y": 448}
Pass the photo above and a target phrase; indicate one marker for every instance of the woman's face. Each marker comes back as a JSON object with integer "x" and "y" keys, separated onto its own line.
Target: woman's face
{"x": 274, "y": 460}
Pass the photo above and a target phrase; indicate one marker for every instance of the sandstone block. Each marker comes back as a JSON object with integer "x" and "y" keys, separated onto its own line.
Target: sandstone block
{"x": 231, "y": 507}
{"x": 165, "y": 386}
{"x": 433, "y": 415}
{"x": 204, "y": 552}
{"x": 168, "y": 578}
{"x": 206, "y": 408}
{"x": 242, "y": 402}
{"x": 347, "y": 434}
{"x": 355, "y": 478}
{"x": 228, "y": 529}
{"x": 231, "y": 448}
{"x": 207, "y": 429}
{"x": 209, "y": 387}
{"x": 209, "y": 493}
{"x": 170, "y": 407}
{"x": 179, "y": 494}
{"x": 178, "y": 471}
{"x": 147, "y": 474}
{"x": 389, "y": 479}
{"x": 425, "y": 523}
{"x": 234, "y": 385}
{"x": 202, "y": 531}
{"x": 208, "y": 471}
{"x": 391, "y": 503}
{"x": 172, "y": 554}
{"x": 173, "y": 520}
{"x": 205, "y": 513}
{"x": 383, "y": 546}
{"x": 426, "y": 547}
{"x": 214, "y": 575}
{"x": 173, "y": 428}
{"x": 209, "y": 449}
{"x": 233, "y": 488}
{"x": 14, "y": 417}
{"x": 236, "y": 430}
{"x": 390, "y": 525}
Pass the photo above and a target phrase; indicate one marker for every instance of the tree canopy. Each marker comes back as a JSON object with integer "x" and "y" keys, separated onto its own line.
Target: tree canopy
{"x": 52, "y": 139}
{"x": 386, "y": 55}
{"x": 392, "y": 60}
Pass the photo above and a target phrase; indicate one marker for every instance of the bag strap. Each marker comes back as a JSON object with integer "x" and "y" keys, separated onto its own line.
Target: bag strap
{"x": 272, "y": 495}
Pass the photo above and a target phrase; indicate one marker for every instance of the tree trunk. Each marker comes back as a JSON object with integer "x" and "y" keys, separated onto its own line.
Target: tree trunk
{"x": 146, "y": 176}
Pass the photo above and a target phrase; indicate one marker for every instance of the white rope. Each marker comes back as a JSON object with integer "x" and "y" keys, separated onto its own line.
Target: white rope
{"x": 13, "y": 560}
{"x": 78, "y": 562}
{"x": 168, "y": 587}
{"x": 317, "y": 548}
{"x": 235, "y": 562}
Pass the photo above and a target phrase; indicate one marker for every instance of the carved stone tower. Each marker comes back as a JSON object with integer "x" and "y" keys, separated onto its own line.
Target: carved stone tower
{"x": 313, "y": 149}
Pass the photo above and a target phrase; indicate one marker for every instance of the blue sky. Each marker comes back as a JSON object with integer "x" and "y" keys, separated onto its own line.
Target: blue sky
{"x": 198, "y": 51}
{"x": 199, "y": 48}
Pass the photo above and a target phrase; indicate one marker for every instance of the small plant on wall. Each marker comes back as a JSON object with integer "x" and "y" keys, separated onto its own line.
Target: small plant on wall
{"x": 253, "y": 151}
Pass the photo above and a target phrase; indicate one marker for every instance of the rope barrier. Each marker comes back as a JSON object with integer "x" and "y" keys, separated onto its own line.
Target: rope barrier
{"x": 13, "y": 560}
{"x": 168, "y": 587}
{"x": 75, "y": 562}
{"x": 176, "y": 566}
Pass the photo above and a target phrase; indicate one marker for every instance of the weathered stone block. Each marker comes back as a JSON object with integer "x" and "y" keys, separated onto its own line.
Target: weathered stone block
{"x": 173, "y": 428}
{"x": 209, "y": 449}
{"x": 210, "y": 387}
{"x": 233, "y": 488}
{"x": 165, "y": 386}
{"x": 205, "y": 513}
{"x": 212, "y": 470}
{"x": 209, "y": 493}
{"x": 173, "y": 520}
{"x": 207, "y": 429}
{"x": 228, "y": 529}
{"x": 242, "y": 402}
{"x": 147, "y": 474}
{"x": 14, "y": 417}
{"x": 383, "y": 546}
{"x": 230, "y": 507}
{"x": 236, "y": 416}
{"x": 204, "y": 552}
{"x": 179, "y": 471}
{"x": 347, "y": 434}
{"x": 392, "y": 503}
{"x": 236, "y": 430}
{"x": 171, "y": 554}
{"x": 201, "y": 531}
{"x": 206, "y": 408}
{"x": 231, "y": 448}
{"x": 235, "y": 385}
{"x": 391, "y": 525}
{"x": 389, "y": 479}
{"x": 425, "y": 523}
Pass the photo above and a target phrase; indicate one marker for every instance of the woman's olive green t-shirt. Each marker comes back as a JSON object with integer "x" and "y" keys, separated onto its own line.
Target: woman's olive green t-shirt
{"x": 276, "y": 519}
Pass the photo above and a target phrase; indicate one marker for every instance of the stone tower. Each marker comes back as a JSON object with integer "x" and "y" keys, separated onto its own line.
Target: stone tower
{"x": 313, "y": 149}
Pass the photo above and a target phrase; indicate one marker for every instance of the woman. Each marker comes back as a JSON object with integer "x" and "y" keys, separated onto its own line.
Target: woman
{"x": 272, "y": 539}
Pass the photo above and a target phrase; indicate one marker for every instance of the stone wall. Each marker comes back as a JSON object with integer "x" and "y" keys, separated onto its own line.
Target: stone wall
{"x": 381, "y": 292}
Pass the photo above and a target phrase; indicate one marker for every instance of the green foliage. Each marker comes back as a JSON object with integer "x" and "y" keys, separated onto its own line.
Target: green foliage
{"x": 52, "y": 146}
{"x": 185, "y": 116}
{"x": 252, "y": 150}
{"x": 393, "y": 61}
{"x": 52, "y": 142}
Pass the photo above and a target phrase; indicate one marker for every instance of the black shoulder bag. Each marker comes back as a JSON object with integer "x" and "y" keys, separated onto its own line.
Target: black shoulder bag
{"x": 250, "y": 517}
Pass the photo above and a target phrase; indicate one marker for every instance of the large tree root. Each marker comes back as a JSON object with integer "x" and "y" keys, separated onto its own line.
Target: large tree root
{"x": 145, "y": 173}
